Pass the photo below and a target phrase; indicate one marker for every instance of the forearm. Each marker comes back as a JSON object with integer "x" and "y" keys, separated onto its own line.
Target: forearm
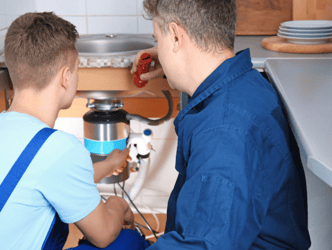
{"x": 103, "y": 225}
{"x": 116, "y": 216}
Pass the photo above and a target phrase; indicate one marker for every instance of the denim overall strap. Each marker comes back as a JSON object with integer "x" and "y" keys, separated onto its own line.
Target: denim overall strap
{"x": 22, "y": 163}
{"x": 58, "y": 231}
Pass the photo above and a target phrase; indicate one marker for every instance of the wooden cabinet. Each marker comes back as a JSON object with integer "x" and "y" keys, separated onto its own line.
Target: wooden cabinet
{"x": 312, "y": 9}
{"x": 2, "y": 100}
{"x": 120, "y": 79}
{"x": 4, "y": 87}
{"x": 262, "y": 17}
{"x": 114, "y": 79}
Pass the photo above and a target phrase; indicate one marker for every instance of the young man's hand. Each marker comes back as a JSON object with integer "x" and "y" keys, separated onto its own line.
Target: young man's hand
{"x": 114, "y": 163}
{"x": 156, "y": 71}
{"x": 103, "y": 225}
{"x": 128, "y": 220}
{"x": 118, "y": 159}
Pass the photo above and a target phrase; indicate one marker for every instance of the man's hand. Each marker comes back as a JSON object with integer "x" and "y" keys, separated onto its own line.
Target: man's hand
{"x": 157, "y": 70}
{"x": 128, "y": 219}
{"x": 103, "y": 225}
{"x": 114, "y": 163}
{"x": 118, "y": 159}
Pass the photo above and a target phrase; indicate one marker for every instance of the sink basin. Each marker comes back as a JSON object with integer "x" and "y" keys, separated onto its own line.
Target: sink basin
{"x": 114, "y": 44}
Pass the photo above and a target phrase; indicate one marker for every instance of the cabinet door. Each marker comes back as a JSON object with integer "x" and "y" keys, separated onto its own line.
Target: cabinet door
{"x": 312, "y": 9}
{"x": 2, "y": 100}
{"x": 262, "y": 17}
{"x": 4, "y": 85}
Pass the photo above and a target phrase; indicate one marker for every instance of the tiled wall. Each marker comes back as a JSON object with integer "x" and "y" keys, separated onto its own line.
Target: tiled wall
{"x": 3, "y": 16}
{"x": 111, "y": 16}
{"x": 89, "y": 16}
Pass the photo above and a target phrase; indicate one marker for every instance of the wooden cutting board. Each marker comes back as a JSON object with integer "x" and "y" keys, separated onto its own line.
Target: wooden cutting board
{"x": 280, "y": 44}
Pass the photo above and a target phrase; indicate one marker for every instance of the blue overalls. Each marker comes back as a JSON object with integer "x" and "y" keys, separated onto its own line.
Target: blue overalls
{"x": 58, "y": 232}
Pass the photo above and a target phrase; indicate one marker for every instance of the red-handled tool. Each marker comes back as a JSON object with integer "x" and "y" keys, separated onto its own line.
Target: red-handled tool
{"x": 142, "y": 68}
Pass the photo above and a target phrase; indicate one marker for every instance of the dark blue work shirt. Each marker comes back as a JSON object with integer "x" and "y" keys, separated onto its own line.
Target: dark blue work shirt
{"x": 241, "y": 184}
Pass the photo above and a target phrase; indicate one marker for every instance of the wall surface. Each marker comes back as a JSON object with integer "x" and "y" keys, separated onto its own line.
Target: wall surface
{"x": 3, "y": 16}
{"x": 89, "y": 16}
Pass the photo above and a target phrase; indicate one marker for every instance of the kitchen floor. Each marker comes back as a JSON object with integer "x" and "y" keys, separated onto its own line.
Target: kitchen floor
{"x": 75, "y": 234}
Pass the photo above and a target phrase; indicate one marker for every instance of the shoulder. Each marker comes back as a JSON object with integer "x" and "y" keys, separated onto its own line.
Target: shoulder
{"x": 65, "y": 141}
{"x": 67, "y": 147}
{"x": 246, "y": 108}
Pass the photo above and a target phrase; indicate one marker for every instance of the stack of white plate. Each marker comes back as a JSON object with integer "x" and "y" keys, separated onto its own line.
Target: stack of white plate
{"x": 306, "y": 31}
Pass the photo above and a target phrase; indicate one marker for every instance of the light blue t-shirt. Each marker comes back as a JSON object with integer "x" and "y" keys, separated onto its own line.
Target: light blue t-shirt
{"x": 59, "y": 179}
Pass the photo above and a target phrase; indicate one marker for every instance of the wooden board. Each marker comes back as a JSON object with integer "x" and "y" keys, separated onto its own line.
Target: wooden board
{"x": 312, "y": 9}
{"x": 4, "y": 85}
{"x": 2, "y": 100}
{"x": 280, "y": 44}
{"x": 262, "y": 17}
{"x": 115, "y": 79}
{"x": 147, "y": 107}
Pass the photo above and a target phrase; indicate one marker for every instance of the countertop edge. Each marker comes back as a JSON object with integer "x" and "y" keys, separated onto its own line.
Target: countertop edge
{"x": 316, "y": 165}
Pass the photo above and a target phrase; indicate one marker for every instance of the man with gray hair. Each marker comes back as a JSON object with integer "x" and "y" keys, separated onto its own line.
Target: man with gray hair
{"x": 241, "y": 184}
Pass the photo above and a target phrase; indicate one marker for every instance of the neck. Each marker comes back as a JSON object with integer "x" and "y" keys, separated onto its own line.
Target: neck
{"x": 201, "y": 65}
{"x": 38, "y": 104}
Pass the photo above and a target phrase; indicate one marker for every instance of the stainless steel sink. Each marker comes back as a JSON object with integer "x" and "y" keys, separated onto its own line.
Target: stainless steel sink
{"x": 114, "y": 44}
{"x": 112, "y": 50}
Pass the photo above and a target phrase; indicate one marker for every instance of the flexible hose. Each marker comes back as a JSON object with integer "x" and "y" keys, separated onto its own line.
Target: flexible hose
{"x": 142, "y": 174}
{"x": 159, "y": 121}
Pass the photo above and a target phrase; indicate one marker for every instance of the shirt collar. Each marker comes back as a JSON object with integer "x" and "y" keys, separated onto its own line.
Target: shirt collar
{"x": 226, "y": 72}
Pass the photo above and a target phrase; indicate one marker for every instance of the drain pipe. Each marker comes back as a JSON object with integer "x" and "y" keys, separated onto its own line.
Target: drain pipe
{"x": 148, "y": 121}
{"x": 142, "y": 174}
{"x": 140, "y": 149}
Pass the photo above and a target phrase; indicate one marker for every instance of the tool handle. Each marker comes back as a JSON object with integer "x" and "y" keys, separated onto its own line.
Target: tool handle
{"x": 142, "y": 68}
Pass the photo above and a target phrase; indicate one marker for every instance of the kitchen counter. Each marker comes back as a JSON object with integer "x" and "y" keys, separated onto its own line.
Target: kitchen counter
{"x": 260, "y": 55}
{"x": 304, "y": 83}
{"x": 305, "y": 87}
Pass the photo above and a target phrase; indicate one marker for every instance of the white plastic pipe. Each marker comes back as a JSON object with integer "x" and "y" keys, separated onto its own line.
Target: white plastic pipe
{"x": 142, "y": 174}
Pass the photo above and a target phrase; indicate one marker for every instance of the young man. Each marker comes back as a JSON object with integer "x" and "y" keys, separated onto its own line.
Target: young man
{"x": 240, "y": 184}
{"x": 47, "y": 177}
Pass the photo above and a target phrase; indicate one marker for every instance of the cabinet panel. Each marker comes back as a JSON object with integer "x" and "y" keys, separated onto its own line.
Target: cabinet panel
{"x": 147, "y": 107}
{"x": 262, "y": 17}
{"x": 120, "y": 79}
{"x": 114, "y": 79}
{"x": 4, "y": 85}
{"x": 312, "y": 9}
{"x": 2, "y": 100}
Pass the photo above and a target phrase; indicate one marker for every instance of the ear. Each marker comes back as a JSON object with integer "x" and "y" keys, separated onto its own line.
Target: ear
{"x": 178, "y": 36}
{"x": 64, "y": 77}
